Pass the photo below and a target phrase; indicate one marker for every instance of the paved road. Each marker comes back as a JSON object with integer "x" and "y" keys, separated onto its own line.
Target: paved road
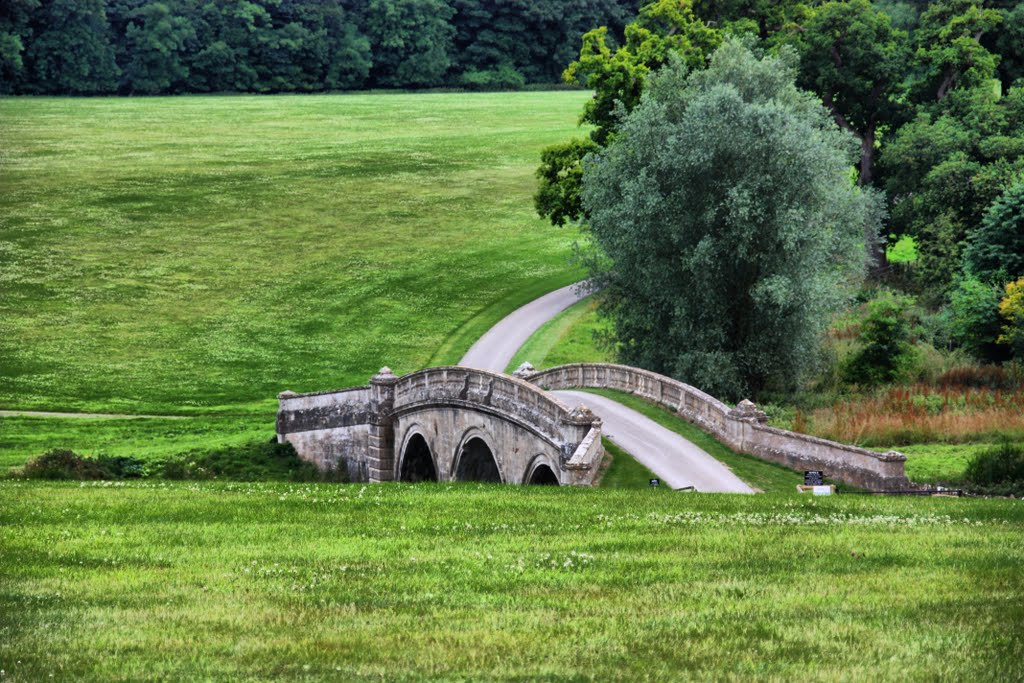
{"x": 494, "y": 350}
{"x": 671, "y": 457}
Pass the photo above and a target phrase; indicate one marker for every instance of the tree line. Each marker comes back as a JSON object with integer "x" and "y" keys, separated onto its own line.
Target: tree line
{"x": 88, "y": 47}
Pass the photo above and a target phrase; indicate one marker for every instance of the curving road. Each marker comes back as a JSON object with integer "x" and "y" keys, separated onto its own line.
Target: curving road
{"x": 674, "y": 459}
{"x": 494, "y": 350}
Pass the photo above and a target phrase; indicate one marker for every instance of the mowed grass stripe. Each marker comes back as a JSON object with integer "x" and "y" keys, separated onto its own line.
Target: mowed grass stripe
{"x": 199, "y": 254}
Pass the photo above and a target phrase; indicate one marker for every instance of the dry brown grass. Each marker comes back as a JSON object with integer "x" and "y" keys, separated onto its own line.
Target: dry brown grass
{"x": 921, "y": 414}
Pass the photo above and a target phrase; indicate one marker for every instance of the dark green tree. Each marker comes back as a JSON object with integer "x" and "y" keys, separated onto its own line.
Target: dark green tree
{"x": 156, "y": 42}
{"x": 726, "y": 224}
{"x": 71, "y": 50}
{"x": 411, "y": 41}
{"x": 995, "y": 252}
{"x": 949, "y": 50}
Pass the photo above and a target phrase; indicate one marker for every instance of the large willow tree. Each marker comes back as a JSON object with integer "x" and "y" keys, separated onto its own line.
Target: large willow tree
{"x": 727, "y": 223}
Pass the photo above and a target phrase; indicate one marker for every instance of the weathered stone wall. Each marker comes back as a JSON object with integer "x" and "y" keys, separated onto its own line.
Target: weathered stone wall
{"x": 329, "y": 429}
{"x": 367, "y": 428}
{"x": 742, "y": 428}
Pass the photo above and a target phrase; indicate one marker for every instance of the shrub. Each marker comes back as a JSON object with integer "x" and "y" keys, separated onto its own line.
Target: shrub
{"x": 255, "y": 461}
{"x": 61, "y": 463}
{"x": 503, "y": 77}
{"x": 886, "y": 352}
{"x": 974, "y": 318}
{"x": 998, "y": 470}
{"x": 1012, "y": 310}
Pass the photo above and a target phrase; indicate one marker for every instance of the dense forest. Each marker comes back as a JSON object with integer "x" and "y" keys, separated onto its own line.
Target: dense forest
{"x": 173, "y": 46}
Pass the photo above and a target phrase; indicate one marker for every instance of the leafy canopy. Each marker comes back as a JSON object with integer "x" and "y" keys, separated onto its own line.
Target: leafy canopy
{"x": 725, "y": 223}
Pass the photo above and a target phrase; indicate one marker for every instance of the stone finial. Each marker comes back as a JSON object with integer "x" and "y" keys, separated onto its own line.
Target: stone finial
{"x": 747, "y": 410}
{"x": 287, "y": 394}
{"x": 581, "y": 414}
{"x": 384, "y": 376}
{"x": 525, "y": 371}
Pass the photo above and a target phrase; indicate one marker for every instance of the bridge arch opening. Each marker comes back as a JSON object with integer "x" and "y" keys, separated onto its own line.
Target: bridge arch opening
{"x": 477, "y": 463}
{"x": 417, "y": 461}
{"x": 543, "y": 476}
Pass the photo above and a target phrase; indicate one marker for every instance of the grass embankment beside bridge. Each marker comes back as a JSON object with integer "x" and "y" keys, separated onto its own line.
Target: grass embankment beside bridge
{"x": 473, "y": 582}
{"x": 197, "y": 255}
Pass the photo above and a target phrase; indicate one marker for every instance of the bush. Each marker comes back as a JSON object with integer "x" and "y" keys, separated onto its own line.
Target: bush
{"x": 504, "y": 77}
{"x": 255, "y": 461}
{"x": 61, "y": 463}
{"x": 1012, "y": 309}
{"x": 886, "y": 353}
{"x": 998, "y": 470}
{"x": 974, "y": 318}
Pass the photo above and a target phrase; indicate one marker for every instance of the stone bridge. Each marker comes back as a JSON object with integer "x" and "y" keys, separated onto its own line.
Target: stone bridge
{"x": 462, "y": 424}
{"x": 444, "y": 424}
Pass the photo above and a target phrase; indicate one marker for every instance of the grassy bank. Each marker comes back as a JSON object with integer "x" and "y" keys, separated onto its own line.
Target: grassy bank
{"x": 197, "y": 255}
{"x": 473, "y": 582}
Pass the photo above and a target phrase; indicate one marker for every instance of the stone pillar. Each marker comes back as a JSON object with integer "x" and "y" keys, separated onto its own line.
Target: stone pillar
{"x": 381, "y": 456}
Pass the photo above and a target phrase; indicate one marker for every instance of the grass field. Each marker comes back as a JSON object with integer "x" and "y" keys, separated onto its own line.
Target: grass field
{"x": 197, "y": 255}
{"x": 473, "y": 582}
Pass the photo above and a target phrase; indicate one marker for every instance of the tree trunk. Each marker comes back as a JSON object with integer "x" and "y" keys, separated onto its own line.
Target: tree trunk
{"x": 872, "y": 241}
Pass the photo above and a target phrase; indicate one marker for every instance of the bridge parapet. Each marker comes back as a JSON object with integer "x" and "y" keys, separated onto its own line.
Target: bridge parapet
{"x": 743, "y": 428}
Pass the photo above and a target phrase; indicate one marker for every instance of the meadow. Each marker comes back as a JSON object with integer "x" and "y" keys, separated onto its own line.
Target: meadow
{"x": 124, "y": 581}
{"x": 197, "y": 255}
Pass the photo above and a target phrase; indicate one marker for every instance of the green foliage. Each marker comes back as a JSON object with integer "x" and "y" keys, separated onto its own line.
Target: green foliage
{"x": 856, "y": 61}
{"x": 974, "y": 317}
{"x": 70, "y": 51}
{"x": 561, "y": 178}
{"x": 903, "y": 250}
{"x": 998, "y": 470}
{"x": 503, "y": 77}
{"x": 157, "y": 42}
{"x": 949, "y": 49}
{"x": 885, "y": 352}
{"x": 1011, "y": 308}
{"x": 732, "y": 228}
{"x": 171, "y": 46}
{"x": 411, "y": 41}
{"x": 61, "y": 463}
{"x": 995, "y": 252}
{"x": 943, "y": 172}
{"x": 254, "y": 461}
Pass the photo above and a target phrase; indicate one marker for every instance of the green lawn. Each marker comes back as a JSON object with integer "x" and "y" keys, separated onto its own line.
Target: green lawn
{"x": 156, "y": 580}
{"x": 624, "y": 471}
{"x": 197, "y": 255}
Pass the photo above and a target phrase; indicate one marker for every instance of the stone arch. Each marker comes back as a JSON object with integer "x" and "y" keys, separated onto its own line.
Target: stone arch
{"x": 475, "y": 460}
{"x": 541, "y": 472}
{"x": 417, "y": 463}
